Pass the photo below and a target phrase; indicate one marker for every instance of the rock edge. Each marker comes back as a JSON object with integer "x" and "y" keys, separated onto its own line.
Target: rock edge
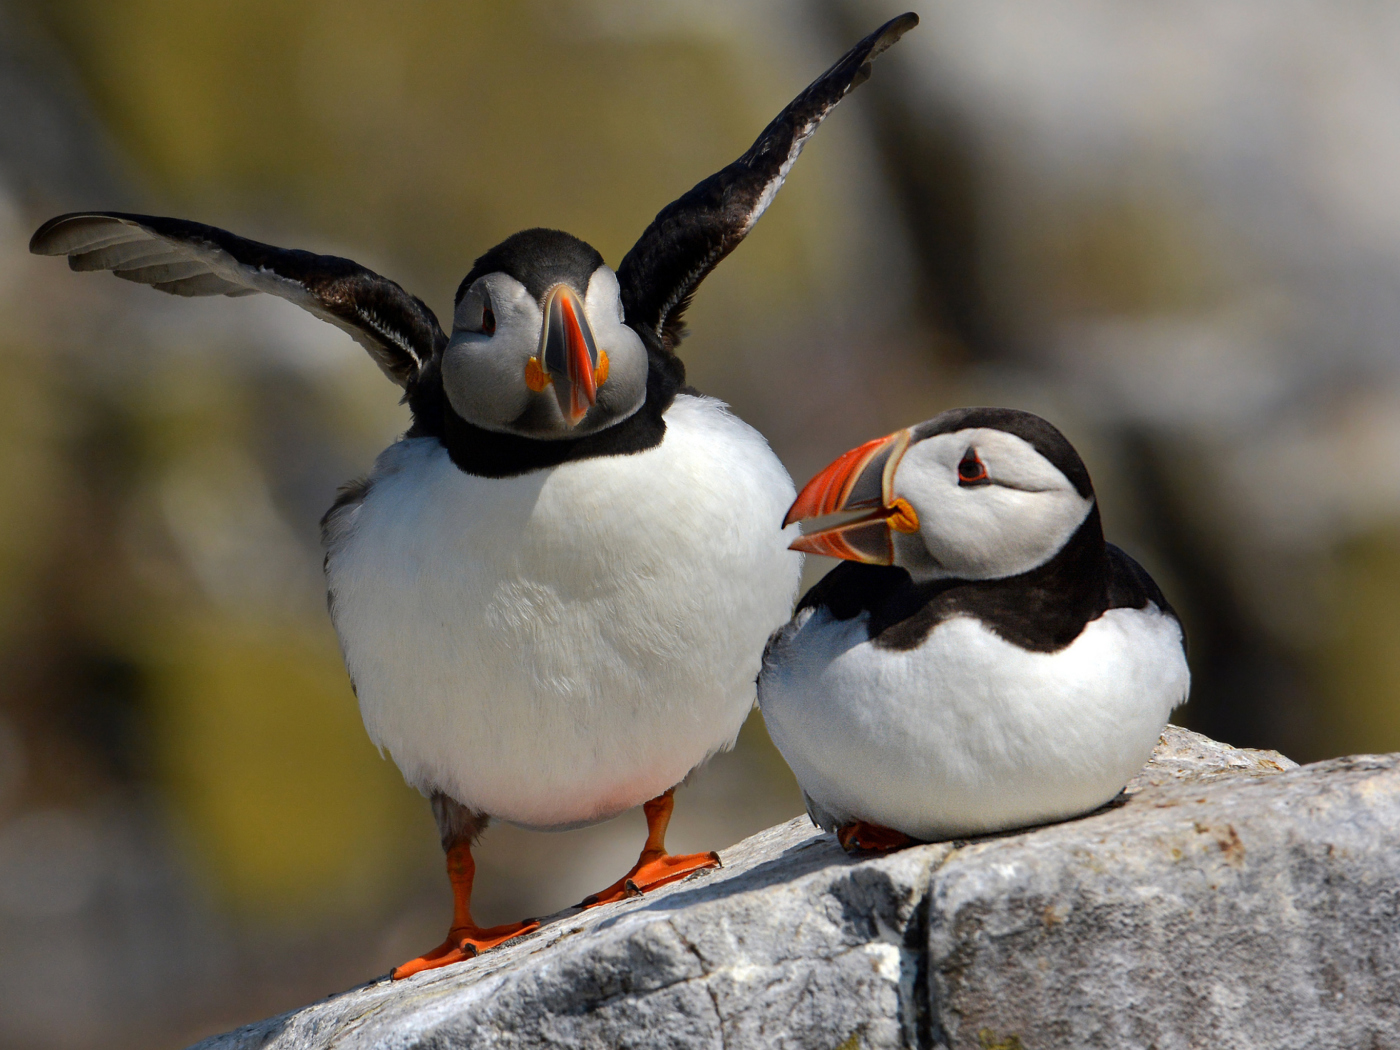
{"x": 1227, "y": 898}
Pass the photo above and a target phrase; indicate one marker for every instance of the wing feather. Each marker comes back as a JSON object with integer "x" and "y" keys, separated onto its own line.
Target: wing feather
{"x": 192, "y": 259}
{"x": 690, "y": 236}
{"x": 162, "y": 271}
{"x": 122, "y": 255}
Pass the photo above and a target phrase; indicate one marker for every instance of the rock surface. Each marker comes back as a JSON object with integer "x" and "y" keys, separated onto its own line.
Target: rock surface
{"x": 1228, "y": 898}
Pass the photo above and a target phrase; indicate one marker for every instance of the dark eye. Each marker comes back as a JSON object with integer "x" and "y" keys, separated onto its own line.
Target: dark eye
{"x": 971, "y": 470}
{"x": 488, "y": 321}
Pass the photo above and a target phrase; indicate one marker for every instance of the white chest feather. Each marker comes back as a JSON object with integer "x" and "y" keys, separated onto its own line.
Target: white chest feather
{"x": 969, "y": 733}
{"x": 557, "y": 647}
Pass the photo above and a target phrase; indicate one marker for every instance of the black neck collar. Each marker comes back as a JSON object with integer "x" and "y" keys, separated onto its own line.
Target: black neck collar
{"x": 1043, "y": 610}
{"x": 489, "y": 454}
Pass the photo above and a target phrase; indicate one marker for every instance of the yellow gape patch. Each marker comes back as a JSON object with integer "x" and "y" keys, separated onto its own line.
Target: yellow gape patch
{"x": 536, "y": 378}
{"x": 600, "y": 374}
{"x": 902, "y": 517}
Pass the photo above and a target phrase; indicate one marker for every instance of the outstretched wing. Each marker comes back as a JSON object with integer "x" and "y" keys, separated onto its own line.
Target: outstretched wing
{"x": 689, "y": 237}
{"x": 189, "y": 258}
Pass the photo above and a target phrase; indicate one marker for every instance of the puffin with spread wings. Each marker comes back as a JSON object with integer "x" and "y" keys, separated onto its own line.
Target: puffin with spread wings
{"x": 553, "y": 593}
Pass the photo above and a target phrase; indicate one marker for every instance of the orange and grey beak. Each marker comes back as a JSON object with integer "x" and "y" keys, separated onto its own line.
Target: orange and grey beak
{"x": 568, "y": 354}
{"x": 862, "y": 479}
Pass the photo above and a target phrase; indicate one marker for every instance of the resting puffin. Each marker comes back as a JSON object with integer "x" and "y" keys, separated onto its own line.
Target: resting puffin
{"x": 553, "y": 593}
{"x": 983, "y": 660}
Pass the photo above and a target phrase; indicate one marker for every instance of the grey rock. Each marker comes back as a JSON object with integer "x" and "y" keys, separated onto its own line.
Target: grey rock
{"x": 1228, "y": 898}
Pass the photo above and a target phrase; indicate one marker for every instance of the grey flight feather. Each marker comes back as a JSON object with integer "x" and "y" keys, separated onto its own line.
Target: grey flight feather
{"x": 190, "y": 258}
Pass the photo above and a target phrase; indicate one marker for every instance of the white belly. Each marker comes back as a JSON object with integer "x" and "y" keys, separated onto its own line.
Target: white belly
{"x": 554, "y": 648}
{"x": 969, "y": 733}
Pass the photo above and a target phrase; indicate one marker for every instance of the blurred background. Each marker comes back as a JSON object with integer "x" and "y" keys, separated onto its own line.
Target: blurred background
{"x": 1173, "y": 229}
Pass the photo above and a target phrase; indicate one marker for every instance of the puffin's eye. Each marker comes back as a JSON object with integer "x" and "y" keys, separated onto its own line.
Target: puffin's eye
{"x": 488, "y": 321}
{"x": 971, "y": 470}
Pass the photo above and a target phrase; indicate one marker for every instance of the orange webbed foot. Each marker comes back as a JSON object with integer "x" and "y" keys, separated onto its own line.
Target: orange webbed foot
{"x": 655, "y": 867}
{"x": 463, "y": 942}
{"x": 650, "y": 871}
{"x": 861, "y": 837}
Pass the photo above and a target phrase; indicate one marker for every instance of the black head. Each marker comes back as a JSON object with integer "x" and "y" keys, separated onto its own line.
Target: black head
{"x": 538, "y": 346}
{"x": 539, "y": 259}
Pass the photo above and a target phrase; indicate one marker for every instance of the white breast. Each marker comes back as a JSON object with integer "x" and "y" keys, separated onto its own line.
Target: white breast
{"x": 557, "y": 647}
{"x": 969, "y": 733}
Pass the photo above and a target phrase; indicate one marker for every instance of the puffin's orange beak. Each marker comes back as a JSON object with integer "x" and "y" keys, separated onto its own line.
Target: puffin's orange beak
{"x": 568, "y": 353}
{"x": 861, "y": 479}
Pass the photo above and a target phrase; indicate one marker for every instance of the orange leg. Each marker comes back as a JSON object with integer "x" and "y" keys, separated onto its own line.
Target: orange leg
{"x": 465, "y": 940}
{"x": 861, "y": 837}
{"x": 655, "y": 867}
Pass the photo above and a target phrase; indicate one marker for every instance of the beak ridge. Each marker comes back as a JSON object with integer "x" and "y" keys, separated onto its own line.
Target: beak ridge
{"x": 569, "y": 353}
{"x": 861, "y": 479}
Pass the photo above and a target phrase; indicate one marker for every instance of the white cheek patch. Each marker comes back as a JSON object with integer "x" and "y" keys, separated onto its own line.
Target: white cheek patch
{"x": 1018, "y": 521}
{"x": 603, "y": 300}
{"x": 626, "y": 385}
{"x": 469, "y": 310}
{"x": 1013, "y": 463}
{"x": 993, "y": 531}
{"x": 484, "y": 375}
{"x": 503, "y": 293}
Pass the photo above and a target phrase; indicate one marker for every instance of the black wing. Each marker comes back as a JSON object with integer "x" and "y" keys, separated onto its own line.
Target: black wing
{"x": 189, "y": 258}
{"x": 689, "y": 237}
